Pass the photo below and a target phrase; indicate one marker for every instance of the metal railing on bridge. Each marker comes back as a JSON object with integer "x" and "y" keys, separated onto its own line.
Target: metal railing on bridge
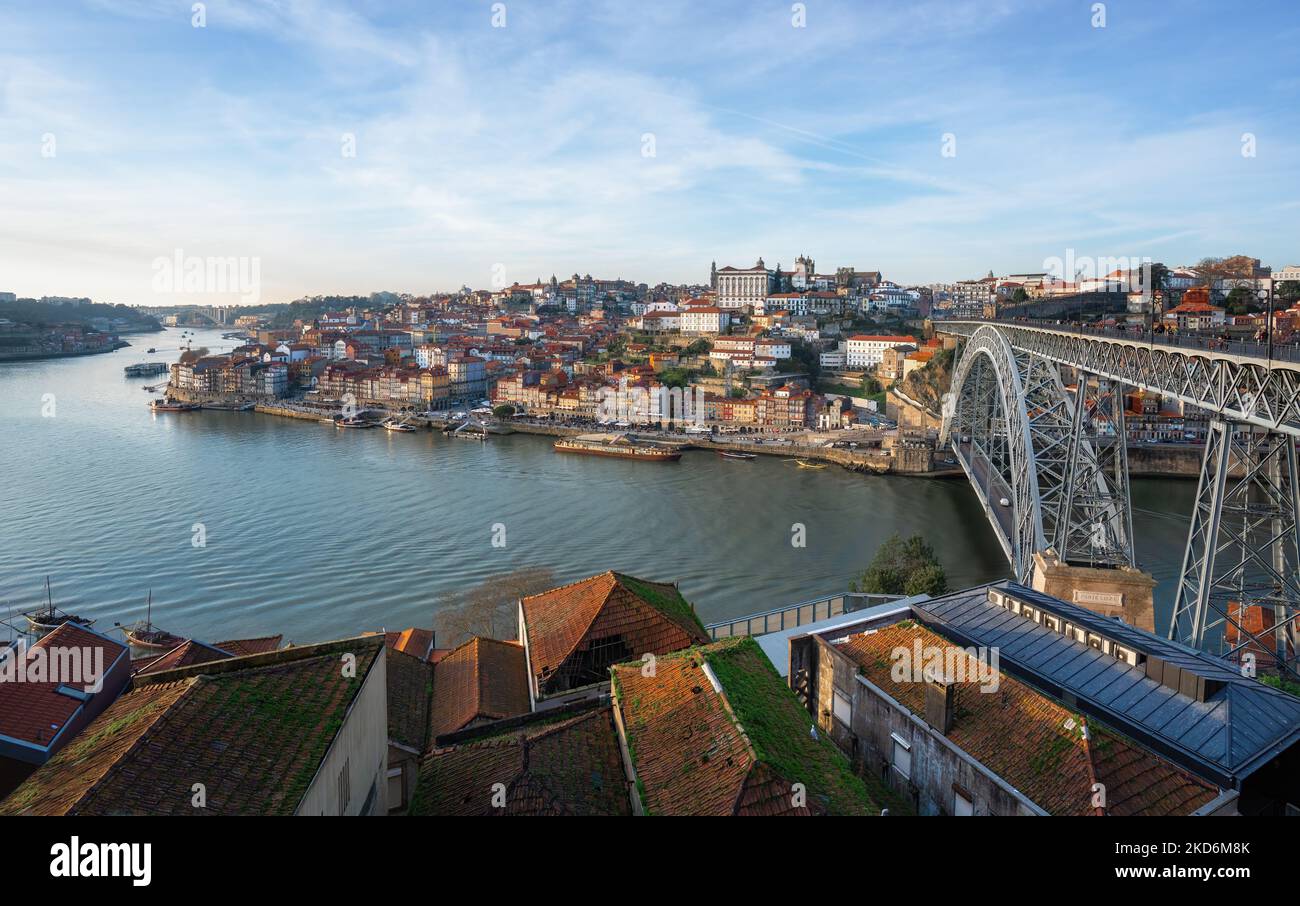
{"x": 1191, "y": 341}
{"x": 794, "y": 615}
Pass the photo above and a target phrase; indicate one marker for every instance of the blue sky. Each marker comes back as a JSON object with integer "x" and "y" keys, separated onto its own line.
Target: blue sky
{"x": 523, "y": 146}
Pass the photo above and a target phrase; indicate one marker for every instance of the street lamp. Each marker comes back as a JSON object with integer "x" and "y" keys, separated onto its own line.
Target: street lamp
{"x": 1265, "y": 296}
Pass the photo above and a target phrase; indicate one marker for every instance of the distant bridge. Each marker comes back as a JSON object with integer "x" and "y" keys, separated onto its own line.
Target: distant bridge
{"x": 1050, "y": 465}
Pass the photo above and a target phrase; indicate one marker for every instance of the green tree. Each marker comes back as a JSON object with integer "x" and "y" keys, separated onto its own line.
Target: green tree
{"x": 504, "y": 411}
{"x": 903, "y": 567}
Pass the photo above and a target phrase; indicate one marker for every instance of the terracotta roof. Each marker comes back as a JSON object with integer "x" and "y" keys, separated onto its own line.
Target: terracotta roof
{"x": 483, "y": 679}
{"x": 1140, "y": 783}
{"x": 646, "y": 617}
{"x": 565, "y": 766}
{"x": 414, "y": 640}
{"x": 183, "y": 655}
{"x": 254, "y": 735}
{"x": 410, "y": 696}
{"x": 241, "y": 647}
{"x": 731, "y": 743}
{"x": 1034, "y": 743}
{"x": 35, "y": 712}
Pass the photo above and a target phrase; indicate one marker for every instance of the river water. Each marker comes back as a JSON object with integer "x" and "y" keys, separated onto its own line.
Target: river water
{"x": 318, "y": 533}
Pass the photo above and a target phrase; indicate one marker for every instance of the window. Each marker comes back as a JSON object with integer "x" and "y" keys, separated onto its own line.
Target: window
{"x": 345, "y": 787}
{"x": 903, "y": 757}
{"x": 961, "y": 806}
{"x": 1051, "y": 622}
{"x": 843, "y": 707}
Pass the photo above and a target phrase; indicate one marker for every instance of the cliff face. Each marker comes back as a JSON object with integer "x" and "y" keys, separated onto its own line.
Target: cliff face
{"x": 928, "y": 385}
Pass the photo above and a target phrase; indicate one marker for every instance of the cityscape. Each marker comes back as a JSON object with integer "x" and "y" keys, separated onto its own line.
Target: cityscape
{"x": 728, "y": 516}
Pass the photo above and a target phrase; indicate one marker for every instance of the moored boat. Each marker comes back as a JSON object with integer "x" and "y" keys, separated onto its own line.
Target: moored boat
{"x": 147, "y": 635}
{"x": 620, "y": 447}
{"x": 354, "y": 421}
{"x": 728, "y": 454}
{"x": 806, "y": 464}
{"x": 393, "y": 424}
{"x": 50, "y": 617}
{"x": 163, "y": 404}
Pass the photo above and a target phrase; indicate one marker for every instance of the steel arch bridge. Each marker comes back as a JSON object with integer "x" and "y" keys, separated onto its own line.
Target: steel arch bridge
{"x": 1049, "y": 464}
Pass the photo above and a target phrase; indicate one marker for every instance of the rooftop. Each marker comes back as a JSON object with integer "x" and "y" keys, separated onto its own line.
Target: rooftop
{"x": 647, "y": 616}
{"x": 555, "y": 765}
{"x": 715, "y": 731}
{"x": 1217, "y": 724}
{"x": 254, "y": 730}
{"x": 1034, "y": 743}
{"x": 483, "y": 679}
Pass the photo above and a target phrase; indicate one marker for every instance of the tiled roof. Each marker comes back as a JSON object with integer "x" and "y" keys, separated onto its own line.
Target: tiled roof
{"x": 1239, "y": 727}
{"x": 254, "y": 736}
{"x": 35, "y": 712}
{"x": 649, "y": 617}
{"x": 1139, "y": 783}
{"x": 415, "y": 641}
{"x": 241, "y": 647}
{"x": 565, "y": 766}
{"x": 482, "y": 679}
{"x": 715, "y": 731}
{"x": 410, "y": 694}
{"x": 1015, "y": 732}
{"x": 1025, "y": 737}
{"x": 183, "y": 655}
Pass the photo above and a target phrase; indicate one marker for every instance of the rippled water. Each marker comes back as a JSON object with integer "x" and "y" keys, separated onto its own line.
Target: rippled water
{"x": 320, "y": 533}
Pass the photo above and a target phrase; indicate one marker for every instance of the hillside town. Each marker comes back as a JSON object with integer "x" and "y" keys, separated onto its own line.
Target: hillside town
{"x": 842, "y": 360}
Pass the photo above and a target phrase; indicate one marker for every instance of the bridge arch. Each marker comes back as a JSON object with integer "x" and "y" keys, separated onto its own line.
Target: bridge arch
{"x": 987, "y": 419}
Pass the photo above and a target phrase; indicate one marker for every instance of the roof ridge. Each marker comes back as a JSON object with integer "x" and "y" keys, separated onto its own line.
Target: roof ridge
{"x": 608, "y": 572}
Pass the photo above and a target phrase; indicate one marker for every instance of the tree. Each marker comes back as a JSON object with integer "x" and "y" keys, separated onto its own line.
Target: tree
{"x": 903, "y": 567}
{"x": 870, "y": 386}
{"x": 487, "y": 609}
{"x": 1241, "y": 301}
{"x": 1288, "y": 291}
{"x": 504, "y": 411}
{"x": 1020, "y": 296}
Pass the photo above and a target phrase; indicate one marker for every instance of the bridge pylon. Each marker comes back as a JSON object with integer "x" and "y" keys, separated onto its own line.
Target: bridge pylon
{"x": 1239, "y": 587}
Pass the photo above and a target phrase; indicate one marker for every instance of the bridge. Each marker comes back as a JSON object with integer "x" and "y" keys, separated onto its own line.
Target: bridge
{"x": 1035, "y": 416}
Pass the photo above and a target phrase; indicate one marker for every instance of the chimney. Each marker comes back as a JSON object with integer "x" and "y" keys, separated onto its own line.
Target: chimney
{"x": 939, "y": 700}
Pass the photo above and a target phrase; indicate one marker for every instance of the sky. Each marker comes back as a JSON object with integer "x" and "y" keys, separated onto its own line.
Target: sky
{"x": 352, "y": 147}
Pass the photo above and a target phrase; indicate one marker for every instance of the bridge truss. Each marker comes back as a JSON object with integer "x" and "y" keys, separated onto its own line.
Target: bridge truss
{"x": 1061, "y": 458}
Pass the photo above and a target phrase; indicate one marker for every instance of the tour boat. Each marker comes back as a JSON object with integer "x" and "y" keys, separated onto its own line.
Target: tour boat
{"x": 354, "y": 421}
{"x": 166, "y": 405}
{"x": 50, "y": 617}
{"x": 621, "y": 450}
{"x": 147, "y": 635}
{"x": 395, "y": 425}
{"x": 727, "y": 454}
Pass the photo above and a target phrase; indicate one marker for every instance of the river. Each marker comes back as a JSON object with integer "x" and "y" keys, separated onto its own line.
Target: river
{"x": 318, "y": 533}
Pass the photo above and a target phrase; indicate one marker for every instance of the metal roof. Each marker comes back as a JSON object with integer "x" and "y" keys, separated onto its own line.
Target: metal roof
{"x": 1242, "y": 725}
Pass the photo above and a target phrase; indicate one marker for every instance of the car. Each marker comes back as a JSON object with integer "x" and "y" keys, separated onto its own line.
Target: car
{"x": 1002, "y": 501}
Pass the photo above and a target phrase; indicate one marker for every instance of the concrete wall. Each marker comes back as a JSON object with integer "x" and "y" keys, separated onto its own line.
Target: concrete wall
{"x": 362, "y": 746}
{"x": 938, "y": 769}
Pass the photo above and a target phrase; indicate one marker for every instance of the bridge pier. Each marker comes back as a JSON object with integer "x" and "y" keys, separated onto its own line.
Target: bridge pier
{"x": 1239, "y": 587}
{"x": 1119, "y": 591}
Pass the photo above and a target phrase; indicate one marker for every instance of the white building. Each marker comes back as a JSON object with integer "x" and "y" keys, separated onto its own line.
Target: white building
{"x": 740, "y": 287}
{"x": 705, "y": 319}
{"x": 866, "y": 350}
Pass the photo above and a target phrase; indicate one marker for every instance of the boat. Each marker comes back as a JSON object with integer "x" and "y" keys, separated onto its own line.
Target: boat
{"x": 145, "y": 369}
{"x": 393, "y": 424}
{"x": 621, "y": 446}
{"x": 147, "y": 635}
{"x": 727, "y": 454}
{"x": 50, "y": 617}
{"x": 805, "y": 464}
{"x": 168, "y": 405}
{"x": 353, "y": 421}
{"x": 151, "y": 350}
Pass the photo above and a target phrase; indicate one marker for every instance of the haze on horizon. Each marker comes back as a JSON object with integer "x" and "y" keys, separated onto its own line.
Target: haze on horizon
{"x": 127, "y": 134}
